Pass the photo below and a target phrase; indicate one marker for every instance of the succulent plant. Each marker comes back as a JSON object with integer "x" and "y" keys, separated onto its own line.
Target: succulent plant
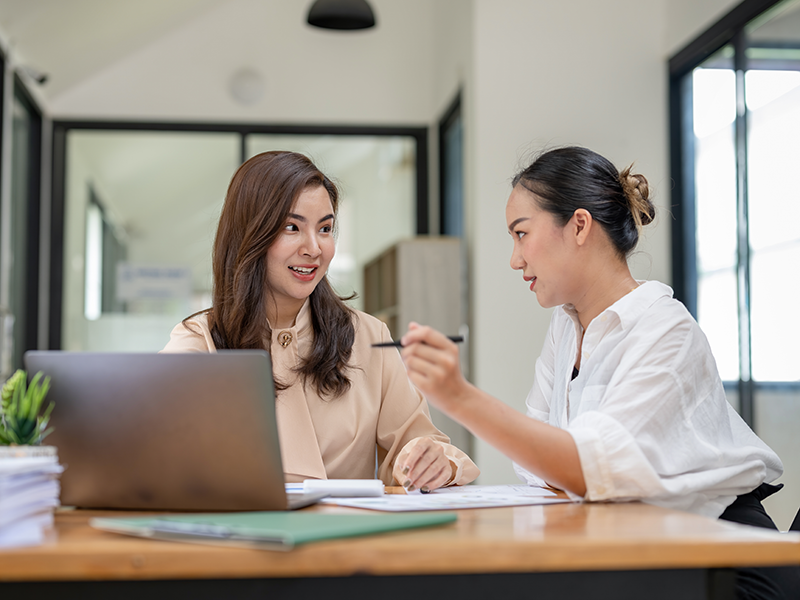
{"x": 21, "y": 423}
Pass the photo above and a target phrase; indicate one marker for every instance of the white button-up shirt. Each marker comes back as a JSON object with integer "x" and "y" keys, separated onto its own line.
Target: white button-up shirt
{"x": 647, "y": 411}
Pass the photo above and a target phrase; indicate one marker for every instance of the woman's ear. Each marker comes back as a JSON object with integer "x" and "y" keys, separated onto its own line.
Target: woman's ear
{"x": 581, "y": 222}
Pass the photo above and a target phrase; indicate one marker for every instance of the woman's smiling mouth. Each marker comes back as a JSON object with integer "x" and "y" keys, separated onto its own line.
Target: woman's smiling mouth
{"x": 304, "y": 273}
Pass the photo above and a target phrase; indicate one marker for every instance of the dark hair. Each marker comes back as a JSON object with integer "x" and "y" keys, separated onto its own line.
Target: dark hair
{"x": 566, "y": 179}
{"x": 257, "y": 206}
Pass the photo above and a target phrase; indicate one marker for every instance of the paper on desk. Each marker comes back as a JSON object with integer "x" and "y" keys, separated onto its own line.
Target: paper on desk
{"x": 457, "y": 497}
{"x": 344, "y": 488}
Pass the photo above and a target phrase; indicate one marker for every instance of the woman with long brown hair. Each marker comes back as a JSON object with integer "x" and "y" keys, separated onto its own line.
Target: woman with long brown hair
{"x": 339, "y": 400}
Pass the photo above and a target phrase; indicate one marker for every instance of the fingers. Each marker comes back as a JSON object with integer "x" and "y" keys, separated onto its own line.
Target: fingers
{"x": 424, "y": 467}
{"x": 432, "y": 370}
{"x": 422, "y": 334}
{"x": 433, "y": 366}
{"x": 429, "y": 352}
{"x": 421, "y": 355}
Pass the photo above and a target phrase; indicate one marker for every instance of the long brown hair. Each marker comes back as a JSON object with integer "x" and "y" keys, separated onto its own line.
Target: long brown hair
{"x": 257, "y": 206}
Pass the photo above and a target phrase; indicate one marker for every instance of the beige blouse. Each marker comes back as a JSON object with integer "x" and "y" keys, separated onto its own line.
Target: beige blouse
{"x": 341, "y": 438}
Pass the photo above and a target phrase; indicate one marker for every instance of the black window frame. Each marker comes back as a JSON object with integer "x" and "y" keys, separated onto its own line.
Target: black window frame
{"x": 450, "y": 116}
{"x": 31, "y": 266}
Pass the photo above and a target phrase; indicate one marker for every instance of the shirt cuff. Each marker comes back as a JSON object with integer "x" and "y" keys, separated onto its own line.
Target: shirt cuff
{"x": 466, "y": 470}
{"x": 592, "y": 454}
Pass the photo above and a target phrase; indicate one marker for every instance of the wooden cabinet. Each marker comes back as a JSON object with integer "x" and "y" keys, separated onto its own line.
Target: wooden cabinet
{"x": 424, "y": 280}
{"x": 420, "y": 280}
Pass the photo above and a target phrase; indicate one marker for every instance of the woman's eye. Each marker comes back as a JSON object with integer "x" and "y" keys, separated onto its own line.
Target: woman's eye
{"x": 291, "y": 227}
{"x": 326, "y": 229}
{"x": 519, "y": 234}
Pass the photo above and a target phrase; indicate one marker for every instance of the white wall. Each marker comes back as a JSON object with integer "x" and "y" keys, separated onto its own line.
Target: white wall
{"x": 686, "y": 19}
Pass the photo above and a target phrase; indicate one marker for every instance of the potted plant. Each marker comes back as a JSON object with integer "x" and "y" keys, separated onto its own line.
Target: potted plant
{"x": 23, "y": 423}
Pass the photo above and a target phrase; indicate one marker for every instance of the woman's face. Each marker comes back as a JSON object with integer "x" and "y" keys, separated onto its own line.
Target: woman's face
{"x": 540, "y": 251}
{"x": 299, "y": 258}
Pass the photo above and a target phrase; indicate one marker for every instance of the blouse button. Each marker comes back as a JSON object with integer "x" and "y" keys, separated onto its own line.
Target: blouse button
{"x": 284, "y": 338}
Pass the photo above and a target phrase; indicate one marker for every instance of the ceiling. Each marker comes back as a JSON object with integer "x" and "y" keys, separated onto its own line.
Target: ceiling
{"x": 69, "y": 40}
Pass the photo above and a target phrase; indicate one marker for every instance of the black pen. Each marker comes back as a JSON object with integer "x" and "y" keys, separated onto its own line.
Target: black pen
{"x": 398, "y": 344}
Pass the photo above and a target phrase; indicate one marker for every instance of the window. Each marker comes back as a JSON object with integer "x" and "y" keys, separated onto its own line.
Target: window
{"x": 735, "y": 151}
{"x": 736, "y": 144}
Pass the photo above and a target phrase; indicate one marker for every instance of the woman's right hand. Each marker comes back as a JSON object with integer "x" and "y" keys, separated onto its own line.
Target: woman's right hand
{"x": 433, "y": 366}
{"x": 551, "y": 453}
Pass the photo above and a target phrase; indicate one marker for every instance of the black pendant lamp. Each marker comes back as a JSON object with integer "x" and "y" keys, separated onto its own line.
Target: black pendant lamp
{"x": 341, "y": 14}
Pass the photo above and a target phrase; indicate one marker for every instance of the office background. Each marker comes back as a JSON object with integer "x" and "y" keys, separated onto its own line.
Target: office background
{"x": 529, "y": 73}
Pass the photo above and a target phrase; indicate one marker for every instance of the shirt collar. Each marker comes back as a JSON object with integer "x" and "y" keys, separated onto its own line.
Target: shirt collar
{"x": 632, "y": 305}
{"x": 302, "y": 322}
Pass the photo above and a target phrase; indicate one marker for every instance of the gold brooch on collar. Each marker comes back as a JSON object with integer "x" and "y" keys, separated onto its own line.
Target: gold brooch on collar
{"x": 285, "y": 338}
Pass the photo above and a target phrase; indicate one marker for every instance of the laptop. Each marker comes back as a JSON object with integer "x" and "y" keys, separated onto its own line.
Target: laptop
{"x": 194, "y": 432}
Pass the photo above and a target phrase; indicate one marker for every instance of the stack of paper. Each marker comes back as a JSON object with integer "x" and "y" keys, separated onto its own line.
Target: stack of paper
{"x": 29, "y": 491}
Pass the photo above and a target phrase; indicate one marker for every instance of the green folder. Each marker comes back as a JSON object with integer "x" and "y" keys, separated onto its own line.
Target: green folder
{"x": 268, "y": 530}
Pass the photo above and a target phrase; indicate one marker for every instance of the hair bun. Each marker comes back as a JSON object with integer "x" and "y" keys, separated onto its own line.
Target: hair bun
{"x": 637, "y": 193}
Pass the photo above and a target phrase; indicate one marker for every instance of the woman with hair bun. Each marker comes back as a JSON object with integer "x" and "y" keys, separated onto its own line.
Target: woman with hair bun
{"x": 626, "y": 401}
{"x": 344, "y": 409}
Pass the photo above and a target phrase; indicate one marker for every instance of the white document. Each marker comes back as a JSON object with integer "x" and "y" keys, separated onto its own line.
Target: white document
{"x": 27, "y": 465}
{"x": 344, "y": 488}
{"x": 338, "y": 488}
{"x": 457, "y": 497}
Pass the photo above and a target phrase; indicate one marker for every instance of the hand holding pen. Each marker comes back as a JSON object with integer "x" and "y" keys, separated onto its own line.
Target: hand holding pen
{"x": 433, "y": 365}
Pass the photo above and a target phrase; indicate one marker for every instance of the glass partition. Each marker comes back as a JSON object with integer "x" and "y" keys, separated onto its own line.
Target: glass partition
{"x": 140, "y": 213}
{"x": 141, "y": 210}
{"x": 772, "y": 96}
{"x": 714, "y": 116}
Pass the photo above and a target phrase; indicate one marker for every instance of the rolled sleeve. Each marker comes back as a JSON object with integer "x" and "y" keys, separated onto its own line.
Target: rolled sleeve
{"x": 613, "y": 465}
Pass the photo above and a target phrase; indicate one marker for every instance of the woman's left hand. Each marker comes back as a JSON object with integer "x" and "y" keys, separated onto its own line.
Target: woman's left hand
{"x": 422, "y": 465}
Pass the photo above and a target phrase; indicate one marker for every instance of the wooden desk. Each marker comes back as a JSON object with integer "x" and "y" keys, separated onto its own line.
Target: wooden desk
{"x": 566, "y": 550}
